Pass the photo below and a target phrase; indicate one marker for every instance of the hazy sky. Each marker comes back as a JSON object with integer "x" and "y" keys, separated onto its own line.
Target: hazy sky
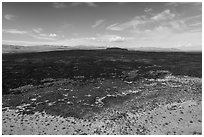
{"x": 100, "y": 24}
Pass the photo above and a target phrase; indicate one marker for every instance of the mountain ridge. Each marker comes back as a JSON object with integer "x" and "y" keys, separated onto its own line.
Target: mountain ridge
{"x": 6, "y": 48}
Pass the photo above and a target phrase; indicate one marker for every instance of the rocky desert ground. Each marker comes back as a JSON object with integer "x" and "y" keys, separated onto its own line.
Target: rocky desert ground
{"x": 167, "y": 106}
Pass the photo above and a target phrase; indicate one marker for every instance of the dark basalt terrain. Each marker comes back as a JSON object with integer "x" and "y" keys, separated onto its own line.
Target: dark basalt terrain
{"x": 20, "y": 69}
{"x": 82, "y": 83}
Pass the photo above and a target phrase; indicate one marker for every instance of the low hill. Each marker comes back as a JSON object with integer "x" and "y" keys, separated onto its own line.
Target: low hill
{"x": 116, "y": 49}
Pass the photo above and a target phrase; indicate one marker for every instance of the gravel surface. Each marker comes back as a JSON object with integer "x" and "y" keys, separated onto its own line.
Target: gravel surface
{"x": 172, "y": 105}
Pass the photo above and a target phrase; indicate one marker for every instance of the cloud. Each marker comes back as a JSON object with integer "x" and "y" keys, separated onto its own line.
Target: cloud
{"x": 112, "y": 38}
{"x": 90, "y": 4}
{"x": 147, "y": 10}
{"x": 42, "y": 37}
{"x": 193, "y": 23}
{"x": 97, "y": 23}
{"x": 165, "y": 15}
{"x": 196, "y": 24}
{"x": 98, "y": 40}
{"x": 114, "y": 27}
{"x": 143, "y": 20}
{"x": 195, "y": 30}
{"x": 175, "y": 4}
{"x": 9, "y": 17}
{"x": 178, "y": 25}
{"x": 191, "y": 5}
{"x": 36, "y": 35}
{"x": 193, "y": 17}
{"x": 164, "y": 37}
{"x": 59, "y": 5}
{"x": 86, "y": 41}
{"x": 23, "y": 43}
{"x": 174, "y": 26}
{"x": 37, "y": 30}
{"x": 117, "y": 39}
{"x": 168, "y": 34}
{"x": 53, "y": 35}
{"x": 162, "y": 28}
{"x": 129, "y": 24}
{"x": 14, "y": 31}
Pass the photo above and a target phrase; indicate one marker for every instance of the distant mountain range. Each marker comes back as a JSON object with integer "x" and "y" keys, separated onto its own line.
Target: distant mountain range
{"x": 157, "y": 49}
{"x": 43, "y": 48}
{"x": 196, "y": 48}
{"x": 191, "y": 48}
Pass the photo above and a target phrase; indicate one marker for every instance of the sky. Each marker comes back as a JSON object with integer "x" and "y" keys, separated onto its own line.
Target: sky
{"x": 121, "y": 24}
